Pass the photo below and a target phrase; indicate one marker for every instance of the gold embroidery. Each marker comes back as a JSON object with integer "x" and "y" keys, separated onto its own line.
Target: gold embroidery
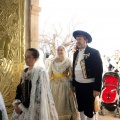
{"x": 82, "y": 63}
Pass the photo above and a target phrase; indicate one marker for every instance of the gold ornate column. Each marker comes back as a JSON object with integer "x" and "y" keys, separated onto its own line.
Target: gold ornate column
{"x": 11, "y": 48}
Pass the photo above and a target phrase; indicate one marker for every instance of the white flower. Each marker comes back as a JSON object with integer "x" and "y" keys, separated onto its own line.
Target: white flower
{"x": 86, "y": 55}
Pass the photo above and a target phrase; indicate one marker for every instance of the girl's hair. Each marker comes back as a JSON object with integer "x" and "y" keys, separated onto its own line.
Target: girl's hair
{"x": 35, "y": 52}
{"x": 61, "y": 46}
{"x": 116, "y": 51}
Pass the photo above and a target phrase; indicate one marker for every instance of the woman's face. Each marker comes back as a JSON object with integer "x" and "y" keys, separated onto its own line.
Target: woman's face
{"x": 61, "y": 52}
{"x": 116, "y": 54}
{"x": 29, "y": 58}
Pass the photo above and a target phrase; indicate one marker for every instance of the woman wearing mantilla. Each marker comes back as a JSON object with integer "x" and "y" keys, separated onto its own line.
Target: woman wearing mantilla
{"x": 33, "y": 100}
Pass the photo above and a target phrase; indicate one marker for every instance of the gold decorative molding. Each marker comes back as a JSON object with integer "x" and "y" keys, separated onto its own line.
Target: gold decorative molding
{"x": 11, "y": 48}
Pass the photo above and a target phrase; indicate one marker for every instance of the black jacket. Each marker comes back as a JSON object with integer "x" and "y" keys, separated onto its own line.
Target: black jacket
{"x": 23, "y": 91}
{"x": 93, "y": 67}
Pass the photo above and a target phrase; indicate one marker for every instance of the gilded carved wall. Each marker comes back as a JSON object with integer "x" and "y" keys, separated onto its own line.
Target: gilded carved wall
{"x": 11, "y": 48}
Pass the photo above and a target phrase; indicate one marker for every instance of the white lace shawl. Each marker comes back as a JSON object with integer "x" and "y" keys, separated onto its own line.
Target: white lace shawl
{"x": 115, "y": 65}
{"x": 42, "y": 106}
{"x": 60, "y": 67}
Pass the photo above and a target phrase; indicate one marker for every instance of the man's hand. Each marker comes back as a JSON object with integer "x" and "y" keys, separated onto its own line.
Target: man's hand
{"x": 96, "y": 93}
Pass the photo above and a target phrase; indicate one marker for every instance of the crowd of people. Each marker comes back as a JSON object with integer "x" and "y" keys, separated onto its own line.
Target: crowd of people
{"x": 66, "y": 89}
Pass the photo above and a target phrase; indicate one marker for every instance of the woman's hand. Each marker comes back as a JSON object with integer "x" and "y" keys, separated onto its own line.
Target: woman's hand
{"x": 96, "y": 93}
{"x": 17, "y": 109}
{"x": 74, "y": 90}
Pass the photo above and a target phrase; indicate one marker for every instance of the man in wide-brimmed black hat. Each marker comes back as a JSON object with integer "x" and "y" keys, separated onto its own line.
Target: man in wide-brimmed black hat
{"x": 87, "y": 74}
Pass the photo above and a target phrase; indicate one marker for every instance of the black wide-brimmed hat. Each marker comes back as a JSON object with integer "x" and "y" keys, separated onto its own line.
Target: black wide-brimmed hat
{"x": 82, "y": 33}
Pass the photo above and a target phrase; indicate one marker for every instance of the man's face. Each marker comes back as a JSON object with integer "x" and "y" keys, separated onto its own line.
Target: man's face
{"x": 81, "y": 42}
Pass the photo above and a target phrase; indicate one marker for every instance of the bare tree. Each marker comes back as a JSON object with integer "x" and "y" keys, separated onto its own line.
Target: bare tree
{"x": 57, "y": 36}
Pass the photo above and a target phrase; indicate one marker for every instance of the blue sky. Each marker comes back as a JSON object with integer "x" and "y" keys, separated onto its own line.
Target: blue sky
{"x": 101, "y": 18}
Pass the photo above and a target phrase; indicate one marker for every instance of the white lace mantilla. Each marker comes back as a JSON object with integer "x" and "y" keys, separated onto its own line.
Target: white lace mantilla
{"x": 60, "y": 67}
{"x": 41, "y": 101}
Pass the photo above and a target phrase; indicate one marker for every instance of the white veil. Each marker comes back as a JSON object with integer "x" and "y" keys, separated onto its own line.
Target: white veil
{"x": 41, "y": 59}
{"x": 41, "y": 101}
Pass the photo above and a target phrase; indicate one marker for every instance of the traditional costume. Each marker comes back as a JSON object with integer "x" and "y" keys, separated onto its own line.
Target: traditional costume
{"x": 65, "y": 101}
{"x": 34, "y": 95}
{"x": 87, "y": 76}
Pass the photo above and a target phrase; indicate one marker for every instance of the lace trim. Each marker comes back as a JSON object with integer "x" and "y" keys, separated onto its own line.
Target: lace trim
{"x": 16, "y": 101}
{"x": 26, "y": 75}
{"x": 22, "y": 108}
{"x": 61, "y": 66}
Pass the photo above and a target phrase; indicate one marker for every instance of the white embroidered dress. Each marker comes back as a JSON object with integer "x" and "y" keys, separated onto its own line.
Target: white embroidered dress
{"x": 61, "y": 87}
{"x": 41, "y": 101}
